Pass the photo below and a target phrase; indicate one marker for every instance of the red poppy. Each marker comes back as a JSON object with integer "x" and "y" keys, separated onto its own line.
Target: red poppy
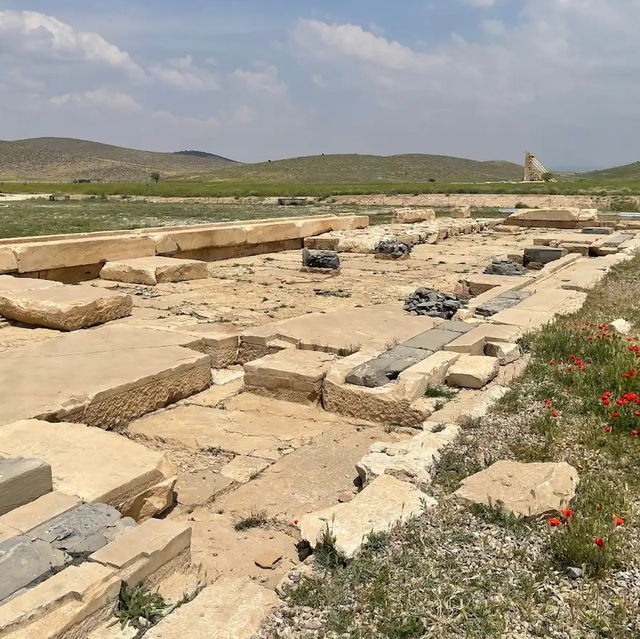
{"x": 606, "y": 402}
{"x": 617, "y": 520}
{"x": 552, "y": 362}
{"x": 636, "y": 413}
{"x": 554, "y": 521}
{"x": 615, "y": 415}
{"x": 555, "y": 413}
{"x": 634, "y": 433}
{"x": 567, "y": 513}
{"x": 607, "y": 429}
{"x": 599, "y": 542}
{"x": 295, "y": 521}
{"x": 598, "y": 507}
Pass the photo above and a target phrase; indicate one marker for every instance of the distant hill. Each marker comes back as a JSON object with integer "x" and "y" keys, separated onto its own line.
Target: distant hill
{"x": 67, "y": 159}
{"x": 203, "y": 154}
{"x": 350, "y": 169}
{"x": 624, "y": 172}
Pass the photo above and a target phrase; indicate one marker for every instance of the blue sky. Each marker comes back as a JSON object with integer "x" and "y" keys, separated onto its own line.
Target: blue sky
{"x": 261, "y": 79}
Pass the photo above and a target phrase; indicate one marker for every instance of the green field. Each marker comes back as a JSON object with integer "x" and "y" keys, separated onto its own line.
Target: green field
{"x": 241, "y": 188}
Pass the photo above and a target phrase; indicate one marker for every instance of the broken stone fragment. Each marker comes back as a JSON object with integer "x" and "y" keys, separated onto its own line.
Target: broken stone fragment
{"x": 542, "y": 255}
{"x": 392, "y": 249}
{"x": 473, "y": 371}
{"x": 386, "y": 367}
{"x": 22, "y": 481}
{"x": 502, "y": 265}
{"x": 522, "y": 489}
{"x": 505, "y": 352}
{"x": 426, "y": 301}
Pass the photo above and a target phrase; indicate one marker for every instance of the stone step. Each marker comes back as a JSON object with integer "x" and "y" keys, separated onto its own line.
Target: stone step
{"x": 21, "y": 481}
{"x": 96, "y": 466}
{"x": 154, "y": 270}
{"x": 65, "y": 308}
{"x": 290, "y": 374}
{"x": 472, "y": 371}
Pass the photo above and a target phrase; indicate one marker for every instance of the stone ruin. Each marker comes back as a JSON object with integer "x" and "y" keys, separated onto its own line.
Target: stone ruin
{"x": 165, "y": 389}
{"x": 533, "y": 169}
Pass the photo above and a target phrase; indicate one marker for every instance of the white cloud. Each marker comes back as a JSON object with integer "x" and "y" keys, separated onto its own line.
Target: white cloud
{"x": 480, "y": 4}
{"x": 45, "y": 36}
{"x": 351, "y": 40}
{"x": 183, "y": 74}
{"x": 494, "y": 28}
{"x": 265, "y": 81}
{"x": 98, "y": 98}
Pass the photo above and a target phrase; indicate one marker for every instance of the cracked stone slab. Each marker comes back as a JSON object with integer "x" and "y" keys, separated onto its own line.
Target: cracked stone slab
{"x": 382, "y": 505}
{"x": 154, "y": 270}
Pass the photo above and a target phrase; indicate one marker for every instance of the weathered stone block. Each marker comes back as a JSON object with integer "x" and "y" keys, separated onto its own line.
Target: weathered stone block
{"x": 522, "y": 489}
{"x": 9, "y": 283}
{"x": 386, "y": 367}
{"x": 154, "y": 270}
{"x": 543, "y": 254}
{"x": 242, "y": 469}
{"x": 21, "y": 481}
{"x": 411, "y": 216}
{"x": 8, "y": 261}
{"x": 320, "y": 259}
{"x": 432, "y": 340}
{"x": 65, "y": 308}
{"x": 473, "y": 371}
{"x": 505, "y": 352}
{"x": 382, "y": 505}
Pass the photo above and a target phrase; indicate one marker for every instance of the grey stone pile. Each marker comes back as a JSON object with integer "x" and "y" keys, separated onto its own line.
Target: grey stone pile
{"x": 394, "y": 250}
{"x": 502, "y": 265}
{"x": 320, "y": 259}
{"x": 386, "y": 367}
{"x": 426, "y": 301}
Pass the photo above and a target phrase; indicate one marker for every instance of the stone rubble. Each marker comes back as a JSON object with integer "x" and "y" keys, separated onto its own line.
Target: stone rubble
{"x": 426, "y": 301}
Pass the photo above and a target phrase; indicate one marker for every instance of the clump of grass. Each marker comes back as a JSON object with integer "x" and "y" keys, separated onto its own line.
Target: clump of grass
{"x": 498, "y": 516}
{"x": 326, "y": 557}
{"x": 440, "y": 391}
{"x": 138, "y": 602}
{"x": 254, "y": 520}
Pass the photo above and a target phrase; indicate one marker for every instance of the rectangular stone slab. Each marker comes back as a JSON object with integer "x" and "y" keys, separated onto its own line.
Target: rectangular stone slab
{"x": 65, "y": 308}
{"x": 432, "y": 340}
{"x": 102, "y": 377}
{"x": 95, "y": 465}
{"x": 154, "y": 270}
{"x": 10, "y": 283}
{"x": 21, "y": 481}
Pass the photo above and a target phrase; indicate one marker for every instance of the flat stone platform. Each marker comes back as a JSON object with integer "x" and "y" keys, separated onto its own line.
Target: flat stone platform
{"x": 103, "y": 377}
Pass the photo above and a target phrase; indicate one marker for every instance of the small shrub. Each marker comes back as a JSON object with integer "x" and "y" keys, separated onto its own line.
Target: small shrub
{"x": 326, "y": 556}
{"x": 254, "y": 520}
{"x": 138, "y": 603}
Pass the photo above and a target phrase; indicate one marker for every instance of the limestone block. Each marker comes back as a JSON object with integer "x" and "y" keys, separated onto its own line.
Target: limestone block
{"x": 24, "y": 561}
{"x": 410, "y": 460}
{"x": 525, "y": 319}
{"x": 432, "y": 340}
{"x": 386, "y": 367}
{"x": 272, "y": 232}
{"x": 543, "y": 254}
{"x": 243, "y": 469}
{"x": 522, "y": 489}
{"x": 292, "y": 374}
{"x": 501, "y": 228}
{"x": 68, "y": 605}
{"x": 42, "y": 256}
{"x": 148, "y": 551}
{"x": 505, "y": 352}
{"x": 192, "y": 239}
{"x": 473, "y": 371}
{"x": 154, "y": 270}
{"x": 119, "y": 472}
{"x": 385, "y": 503}
{"x": 411, "y": 216}
{"x": 8, "y": 261}
{"x": 65, "y": 308}
{"x": 474, "y": 341}
{"x": 38, "y": 512}
{"x": 82, "y": 530}
{"x": 413, "y": 382}
{"x": 230, "y": 608}
{"x": 73, "y": 378}
{"x": 9, "y": 283}
{"x": 21, "y": 481}
{"x": 349, "y": 222}
{"x": 165, "y": 244}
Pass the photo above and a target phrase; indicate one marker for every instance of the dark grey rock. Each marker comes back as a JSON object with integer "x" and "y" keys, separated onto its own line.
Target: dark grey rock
{"x": 83, "y": 530}
{"x": 597, "y": 230}
{"x": 502, "y": 265}
{"x": 393, "y": 249}
{"x": 24, "y": 562}
{"x": 386, "y": 367}
{"x": 456, "y": 326}
{"x": 320, "y": 259}
{"x": 543, "y": 254}
{"x": 615, "y": 240}
{"x": 432, "y": 340}
{"x": 425, "y": 301}
{"x": 502, "y": 303}
{"x": 23, "y": 481}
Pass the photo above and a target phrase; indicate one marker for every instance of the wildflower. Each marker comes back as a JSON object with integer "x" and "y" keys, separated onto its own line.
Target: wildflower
{"x": 636, "y": 413}
{"x": 554, "y": 521}
{"x": 634, "y": 432}
{"x": 295, "y": 521}
{"x": 606, "y": 402}
{"x": 552, "y": 362}
{"x": 599, "y": 542}
{"x": 572, "y": 356}
{"x": 566, "y": 513}
{"x": 569, "y": 368}
{"x": 607, "y": 429}
{"x": 615, "y": 415}
{"x": 555, "y": 413}
{"x": 617, "y": 520}
{"x": 598, "y": 507}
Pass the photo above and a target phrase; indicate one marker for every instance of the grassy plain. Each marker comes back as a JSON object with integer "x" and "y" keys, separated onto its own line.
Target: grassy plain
{"x": 244, "y": 188}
